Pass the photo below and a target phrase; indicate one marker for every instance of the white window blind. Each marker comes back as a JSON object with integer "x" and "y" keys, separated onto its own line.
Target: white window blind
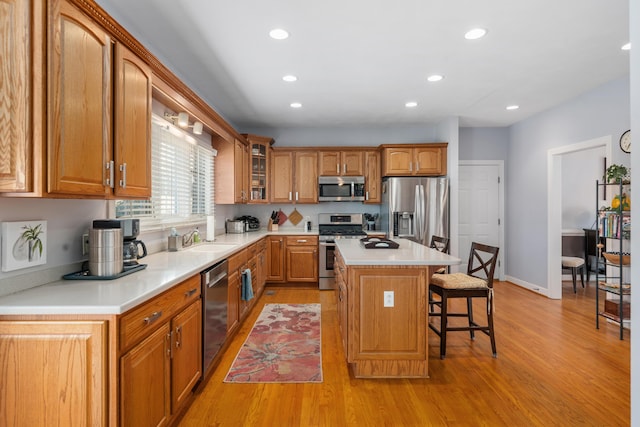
{"x": 182, "y": 180}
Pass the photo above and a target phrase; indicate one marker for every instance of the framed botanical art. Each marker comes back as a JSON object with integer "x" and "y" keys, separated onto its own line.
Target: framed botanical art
{"x": 24, "y": 244}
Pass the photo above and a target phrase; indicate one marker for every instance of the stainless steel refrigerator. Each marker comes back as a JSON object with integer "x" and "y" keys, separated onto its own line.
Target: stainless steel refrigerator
{"x": 415, "y": 208}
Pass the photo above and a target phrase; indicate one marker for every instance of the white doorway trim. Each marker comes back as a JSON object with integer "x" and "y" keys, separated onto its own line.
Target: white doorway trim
{"x": 554, "y": 207}
{"x": 500, "y": 165}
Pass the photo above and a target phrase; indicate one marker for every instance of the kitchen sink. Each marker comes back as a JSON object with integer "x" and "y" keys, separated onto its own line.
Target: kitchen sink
{"x": 212, "y": 247}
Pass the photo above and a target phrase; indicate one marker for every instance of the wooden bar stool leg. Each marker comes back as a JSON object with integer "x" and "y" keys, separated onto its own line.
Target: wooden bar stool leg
{"x": 470, "y": 316}
{"x": 443, "y": 325}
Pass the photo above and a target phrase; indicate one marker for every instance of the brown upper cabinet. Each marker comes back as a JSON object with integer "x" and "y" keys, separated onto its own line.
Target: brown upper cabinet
{"x": 414, "y": 159}
{"x": 231, "y": 171}
{"x": 294, "y": 176}
{"x": 84, "y": 157}
{"x": 341, "y": 163}
{"x": 22, "y": 35}
{"x": 259, "y": 150}
{"x": 372, "y": 179}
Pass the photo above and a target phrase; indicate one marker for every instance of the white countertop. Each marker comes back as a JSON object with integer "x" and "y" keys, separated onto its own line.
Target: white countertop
{"x": 164, "y": 270}
{"x": 409, "y": 253}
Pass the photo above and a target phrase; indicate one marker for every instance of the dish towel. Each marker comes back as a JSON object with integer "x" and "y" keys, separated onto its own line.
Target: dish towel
{"x": 246, "y": 291}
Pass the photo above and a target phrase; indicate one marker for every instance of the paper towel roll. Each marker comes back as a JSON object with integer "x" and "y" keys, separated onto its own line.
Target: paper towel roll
{"x": 211, "y": 227}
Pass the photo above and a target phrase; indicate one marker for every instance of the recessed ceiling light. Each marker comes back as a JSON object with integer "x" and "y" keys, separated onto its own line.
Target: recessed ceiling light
{"x": 435, "y": 78}
{"x": 289, "y": 78}
{"x": 476, "y": 33}
{"x": 513, "y": 107}
{"x": 278, "y": 34}
{"x": 626, "y": 46}
{"x": 411, "y": 104}
{"x": 296, "y": 105}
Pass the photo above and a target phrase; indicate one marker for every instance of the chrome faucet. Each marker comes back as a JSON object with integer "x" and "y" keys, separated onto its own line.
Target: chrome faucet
{"x": 187, "y": 239}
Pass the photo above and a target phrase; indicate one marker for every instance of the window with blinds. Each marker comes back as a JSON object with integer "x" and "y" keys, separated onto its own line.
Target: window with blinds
{"x": 182, "y": 180}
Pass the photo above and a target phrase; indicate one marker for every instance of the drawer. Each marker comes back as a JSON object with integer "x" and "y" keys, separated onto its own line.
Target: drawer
{"x": 302, "y": 240}
{"x": 237, "y": 260}
{"x": 252, "y": 251}
{"x": 142, "y": 320}
{"x": 262, "y": 245}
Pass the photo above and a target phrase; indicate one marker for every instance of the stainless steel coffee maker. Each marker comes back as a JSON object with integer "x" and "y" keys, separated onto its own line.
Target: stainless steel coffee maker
{"x": 132, "y": 248}
{"x": 105, "y": 248}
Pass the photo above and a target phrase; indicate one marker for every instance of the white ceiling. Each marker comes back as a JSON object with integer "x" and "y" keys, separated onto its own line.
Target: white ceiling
{"x": 359, "y": 61}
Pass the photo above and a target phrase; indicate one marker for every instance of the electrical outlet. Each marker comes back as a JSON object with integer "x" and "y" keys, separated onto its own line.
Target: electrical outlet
{"x": 85, "y": 244}
{"x": 388, "y": 299}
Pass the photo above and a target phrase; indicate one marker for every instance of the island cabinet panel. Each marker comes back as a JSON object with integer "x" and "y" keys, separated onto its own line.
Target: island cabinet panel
{"x": 379, "y": 341}
{"x": 53, "y": 372}
{"x": 376, "y": 333}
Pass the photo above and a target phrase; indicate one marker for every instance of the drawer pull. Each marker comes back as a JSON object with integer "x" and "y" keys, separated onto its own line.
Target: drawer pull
{"x": 154, "y": 316}
{"x": 190, "y": 292}
{"x": 302, "y": 240}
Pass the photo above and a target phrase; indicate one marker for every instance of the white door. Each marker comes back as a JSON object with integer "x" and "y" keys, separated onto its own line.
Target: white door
{"x": 480, "y": 210}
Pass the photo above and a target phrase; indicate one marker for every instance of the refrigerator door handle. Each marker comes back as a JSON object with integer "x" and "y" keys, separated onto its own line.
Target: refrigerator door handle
{"x": 418, "y": 216}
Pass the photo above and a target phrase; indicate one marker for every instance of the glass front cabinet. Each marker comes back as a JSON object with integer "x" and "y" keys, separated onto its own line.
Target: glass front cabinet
{"x": 259, "y": 147}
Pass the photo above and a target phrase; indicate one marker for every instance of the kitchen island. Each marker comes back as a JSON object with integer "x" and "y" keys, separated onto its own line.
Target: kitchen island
{"x": 382, "y": 306}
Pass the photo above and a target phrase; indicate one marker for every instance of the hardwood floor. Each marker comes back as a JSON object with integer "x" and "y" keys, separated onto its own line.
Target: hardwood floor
{"x": 554, "y": 368}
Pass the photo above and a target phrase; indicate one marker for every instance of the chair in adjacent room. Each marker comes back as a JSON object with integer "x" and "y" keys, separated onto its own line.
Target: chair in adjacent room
{"x": 574, "y": 264}
{"x": 477, "y": 282}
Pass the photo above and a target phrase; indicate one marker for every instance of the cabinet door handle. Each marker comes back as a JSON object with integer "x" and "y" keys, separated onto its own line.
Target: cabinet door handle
{"x": 289, "y": 195}
{"x": 338, "y": 168}
{"x": 111, "y": 178}
{"x": 366, "y": 196}
{"x": 154, "y": 316}
{"x": 123, "y": 181}
{"x": 190, "y": 292}
{"x": 417, "y": 166}
{"x": 296, "y": 196}
{"x": 178, "y": 336}
{"x": 410, "y": 166}
{"x": 167, "y": 340}
{"x": 344, "y": 168}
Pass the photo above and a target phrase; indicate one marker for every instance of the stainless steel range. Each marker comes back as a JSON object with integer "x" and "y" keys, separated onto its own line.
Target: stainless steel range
{"x": 330, "y": 228}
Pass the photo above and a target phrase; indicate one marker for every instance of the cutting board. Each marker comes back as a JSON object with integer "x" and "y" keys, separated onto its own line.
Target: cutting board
{"x": 282, "y": 217}
{"x": 295, "y": 217}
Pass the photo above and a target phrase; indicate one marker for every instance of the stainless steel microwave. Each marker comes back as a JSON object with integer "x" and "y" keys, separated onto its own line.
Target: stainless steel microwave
{"x": 341, "y": 188}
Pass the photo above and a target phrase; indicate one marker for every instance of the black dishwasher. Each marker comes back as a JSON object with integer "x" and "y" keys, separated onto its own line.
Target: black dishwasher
{"x": 214, "y": 312}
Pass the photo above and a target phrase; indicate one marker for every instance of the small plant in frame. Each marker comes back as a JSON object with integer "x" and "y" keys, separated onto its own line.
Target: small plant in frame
{"x": 32, "y": 235}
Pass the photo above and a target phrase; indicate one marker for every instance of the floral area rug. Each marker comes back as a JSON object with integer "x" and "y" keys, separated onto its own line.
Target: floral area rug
{"x": 282, "y": 347}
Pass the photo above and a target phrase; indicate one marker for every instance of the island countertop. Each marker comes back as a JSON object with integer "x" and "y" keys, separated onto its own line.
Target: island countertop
{"x": 409, "y": 253}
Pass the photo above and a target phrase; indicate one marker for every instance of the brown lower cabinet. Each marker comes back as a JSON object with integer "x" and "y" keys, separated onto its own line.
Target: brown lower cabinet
{"x": 292, "y": 258}
{"x": 32, "y": 389}
{"x": 254, "y": 259}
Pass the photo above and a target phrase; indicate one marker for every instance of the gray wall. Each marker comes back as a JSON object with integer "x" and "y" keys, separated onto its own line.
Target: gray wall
{"x": 580, "y": 170}
{"x": 484, "y": 143}
{"x": 600, "y": 112}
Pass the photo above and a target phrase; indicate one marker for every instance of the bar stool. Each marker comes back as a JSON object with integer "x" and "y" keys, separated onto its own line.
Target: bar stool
{"x": 574, "y": 263}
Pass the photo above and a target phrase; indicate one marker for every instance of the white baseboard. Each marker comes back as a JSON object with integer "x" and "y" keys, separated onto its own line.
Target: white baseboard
{"x": 530, "y": 286}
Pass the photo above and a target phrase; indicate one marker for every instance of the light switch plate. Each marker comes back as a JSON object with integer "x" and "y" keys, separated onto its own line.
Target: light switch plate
{"x": 388, "y": 299}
